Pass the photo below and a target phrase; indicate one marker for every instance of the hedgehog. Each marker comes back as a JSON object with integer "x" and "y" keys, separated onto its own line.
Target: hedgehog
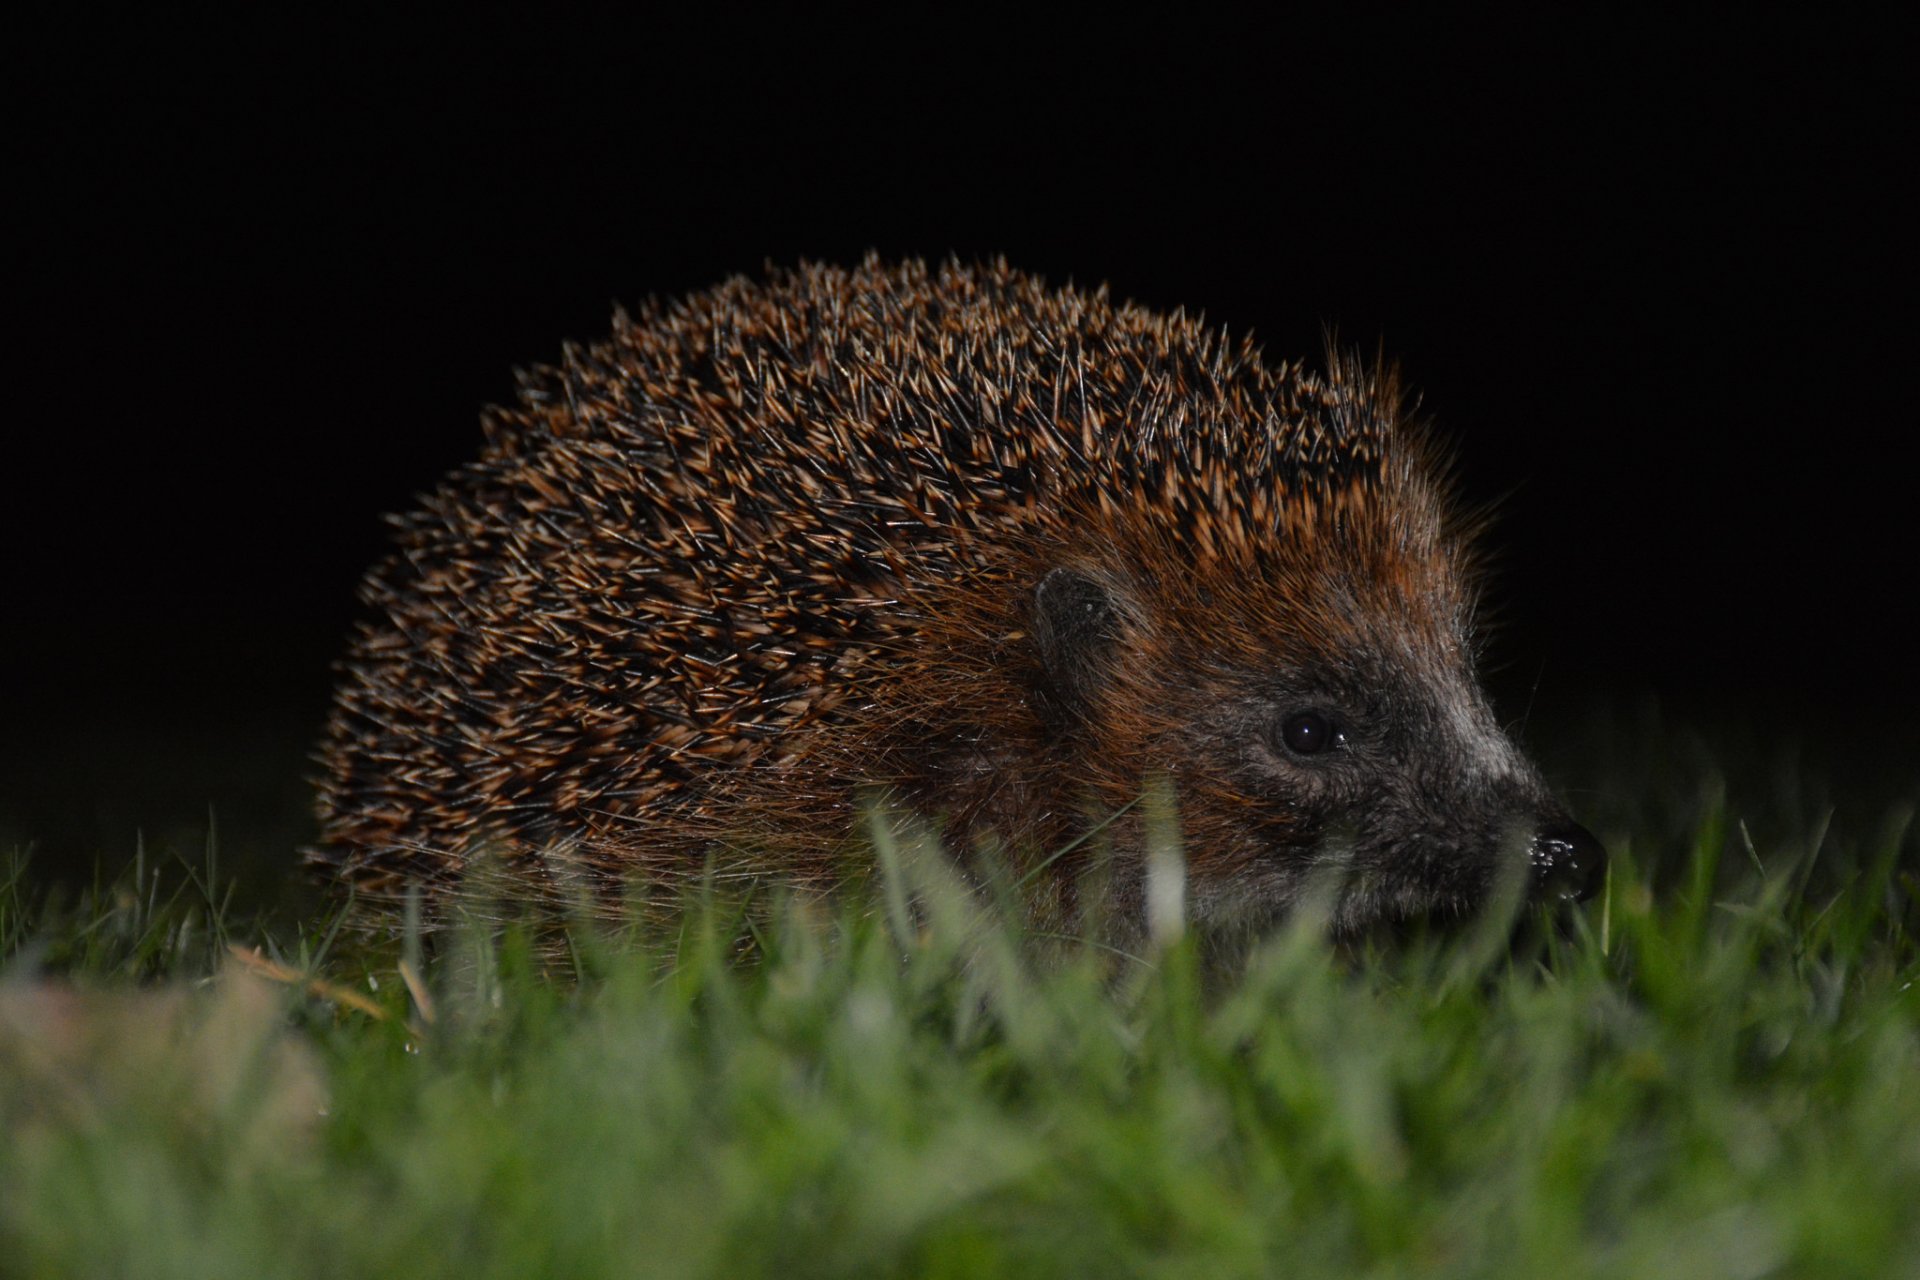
{"x": 1000, "y": 553}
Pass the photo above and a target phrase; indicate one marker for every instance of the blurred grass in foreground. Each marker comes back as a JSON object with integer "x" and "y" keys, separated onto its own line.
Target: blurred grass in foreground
{"x": 1715, "y": 1072}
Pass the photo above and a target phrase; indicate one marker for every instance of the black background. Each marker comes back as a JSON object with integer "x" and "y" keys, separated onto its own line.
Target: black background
{"x": 1654, "y": 282}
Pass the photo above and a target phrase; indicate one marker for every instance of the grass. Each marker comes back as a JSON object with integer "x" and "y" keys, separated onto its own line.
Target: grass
{"x": 1714, "y": 1072}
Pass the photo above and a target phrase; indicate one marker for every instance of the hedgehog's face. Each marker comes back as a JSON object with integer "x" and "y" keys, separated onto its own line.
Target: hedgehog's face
{"x": 1380, "y": 774}
{"x": 1364, "y": 761}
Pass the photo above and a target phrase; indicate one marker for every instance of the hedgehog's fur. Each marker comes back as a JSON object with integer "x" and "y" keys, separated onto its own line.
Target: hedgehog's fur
{"x": 781, "y": 542}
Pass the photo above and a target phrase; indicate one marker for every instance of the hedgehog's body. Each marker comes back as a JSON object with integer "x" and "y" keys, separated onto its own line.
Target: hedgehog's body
{"x": 1003, "y": 551}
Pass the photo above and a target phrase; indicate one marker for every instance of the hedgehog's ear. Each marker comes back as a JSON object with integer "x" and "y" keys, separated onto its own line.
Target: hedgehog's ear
{"x": 1076, "y": 628}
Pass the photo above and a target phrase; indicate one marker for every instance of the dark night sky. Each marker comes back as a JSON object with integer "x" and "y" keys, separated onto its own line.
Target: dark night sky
{"x": 1655, "y": 284}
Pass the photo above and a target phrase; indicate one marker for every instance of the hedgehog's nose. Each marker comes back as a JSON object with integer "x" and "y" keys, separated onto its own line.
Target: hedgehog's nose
{"x": 1567, "y": 864}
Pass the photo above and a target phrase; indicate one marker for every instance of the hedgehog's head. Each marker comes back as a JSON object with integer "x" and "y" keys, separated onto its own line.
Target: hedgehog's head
{"x": 1310, "y": 688}
{"x": 1311, "y": 746}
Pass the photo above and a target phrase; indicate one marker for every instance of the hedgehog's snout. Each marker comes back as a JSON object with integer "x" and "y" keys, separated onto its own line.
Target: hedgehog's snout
{"x": 1567, "y": 864}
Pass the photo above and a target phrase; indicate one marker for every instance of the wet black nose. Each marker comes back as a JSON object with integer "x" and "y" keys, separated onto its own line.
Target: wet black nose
{"x": 1568, "y": 864}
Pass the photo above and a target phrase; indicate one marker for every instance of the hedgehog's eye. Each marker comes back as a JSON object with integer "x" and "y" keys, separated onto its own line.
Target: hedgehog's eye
{"x": 1309, "y": 733}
